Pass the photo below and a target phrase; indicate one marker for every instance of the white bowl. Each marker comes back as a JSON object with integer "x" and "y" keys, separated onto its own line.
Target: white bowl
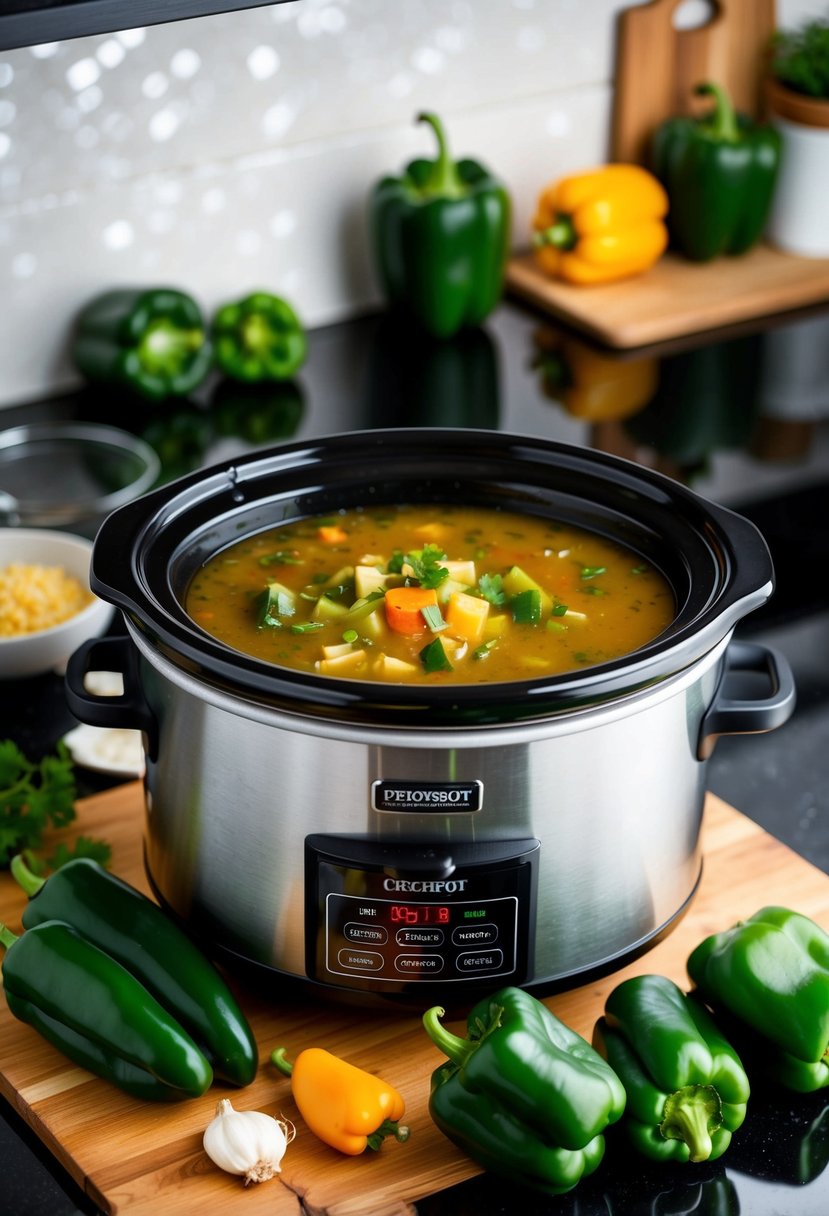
{"x": 32, "y": 654}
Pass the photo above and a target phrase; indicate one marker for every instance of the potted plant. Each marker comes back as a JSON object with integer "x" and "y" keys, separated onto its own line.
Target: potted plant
{"x": 797, "y": 91}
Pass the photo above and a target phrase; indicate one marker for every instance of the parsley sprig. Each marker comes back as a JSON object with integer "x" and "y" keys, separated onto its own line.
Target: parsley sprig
{"x": 35, "y": 797}
{"x": 426, "y": 567}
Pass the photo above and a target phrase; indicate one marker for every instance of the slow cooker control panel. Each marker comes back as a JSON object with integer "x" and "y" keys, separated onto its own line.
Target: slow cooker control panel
{"x": 382, "y": 917}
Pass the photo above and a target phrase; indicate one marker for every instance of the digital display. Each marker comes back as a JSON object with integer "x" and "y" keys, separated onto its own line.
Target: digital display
{"x": 418, "y": 914}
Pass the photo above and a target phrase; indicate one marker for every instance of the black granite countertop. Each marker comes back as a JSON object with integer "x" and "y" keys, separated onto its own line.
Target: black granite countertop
{"x": 742, "y": 417}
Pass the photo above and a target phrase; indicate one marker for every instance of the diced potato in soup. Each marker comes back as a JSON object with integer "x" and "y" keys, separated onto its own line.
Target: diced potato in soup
{"x": 431, "y": 594}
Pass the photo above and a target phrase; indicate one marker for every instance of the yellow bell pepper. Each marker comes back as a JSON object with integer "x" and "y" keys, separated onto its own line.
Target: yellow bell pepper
{"x": 601, "y": 225}
{"x": 347, "y": 1108}
{"x": 590, "y": 383}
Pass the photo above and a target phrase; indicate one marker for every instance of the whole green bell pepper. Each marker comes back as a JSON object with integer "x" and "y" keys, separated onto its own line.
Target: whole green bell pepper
{"x": 523, "y": 1095}
{"x": 720, "y": 172}
{"x": 151, "y": 341}
{"x": 98, "y": 1014}
{"x": 771, "y": 973}
{"x": 686, "y": 1086}
{"x": 440, "y": 234}
{"x": 134, "y": 931}
{"x": 259, "y": 337}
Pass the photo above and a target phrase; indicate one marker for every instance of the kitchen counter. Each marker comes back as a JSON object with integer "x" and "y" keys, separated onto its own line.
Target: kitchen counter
{"x": 743, "y": 417}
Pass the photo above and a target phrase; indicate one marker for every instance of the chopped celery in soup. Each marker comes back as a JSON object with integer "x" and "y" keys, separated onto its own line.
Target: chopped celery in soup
{"x": 432, "y": 593}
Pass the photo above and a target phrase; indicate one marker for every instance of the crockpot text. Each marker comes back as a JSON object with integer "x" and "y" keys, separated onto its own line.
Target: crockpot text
{"x": 437, "y": 886}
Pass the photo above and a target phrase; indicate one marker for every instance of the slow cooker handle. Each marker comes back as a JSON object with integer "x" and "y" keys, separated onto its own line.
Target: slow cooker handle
{"x": 740, "y": 716}
{"x": 127, "y": 710}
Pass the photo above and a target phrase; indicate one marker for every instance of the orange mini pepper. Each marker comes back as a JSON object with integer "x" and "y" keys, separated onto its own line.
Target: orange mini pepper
{"x": 601, "y": 225}
{"x": 347, "y": 1108}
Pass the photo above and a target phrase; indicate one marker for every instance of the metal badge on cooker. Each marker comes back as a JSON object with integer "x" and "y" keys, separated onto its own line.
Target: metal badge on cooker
{"x": 427, "y": 796}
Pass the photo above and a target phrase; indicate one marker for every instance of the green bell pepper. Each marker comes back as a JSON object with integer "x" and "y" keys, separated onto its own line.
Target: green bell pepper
{"x": 151, "y": 341}
{"x": 720, "y": 172}
{"x": 686, "y": 1086}
{"x": 98, "y": 1014}
{"x": 440, "y": 235}
{"x": 259, "y": 338}
{"x": 523, "y": 1095}
{"x": 133, "y": 931}
{"x": 771, "y": 973}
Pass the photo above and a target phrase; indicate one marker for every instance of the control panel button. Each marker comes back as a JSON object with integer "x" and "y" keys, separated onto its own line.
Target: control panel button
{"x": 419, "y": 964}
{"x": 478, "y": 962}
{"x": 375, "y": 935}
{"x": 419, "y": 937}
{"x": 360, "y": 960}
{"x": 475, "y": 935}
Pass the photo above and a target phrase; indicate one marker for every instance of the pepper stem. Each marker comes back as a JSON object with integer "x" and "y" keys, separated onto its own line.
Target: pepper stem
{"x": 457, "y": 1049}
{"x": 561, "y": 235}
{"x": 281, "y": 1061}
{"x": 387, "y": 1128}
{"x": 693, "y": 1114}
{"x": 7, "y": 938}
{"x": 722, "y": 121}
{"x": 26, "y": 878}
{"x": 443, "y": 179}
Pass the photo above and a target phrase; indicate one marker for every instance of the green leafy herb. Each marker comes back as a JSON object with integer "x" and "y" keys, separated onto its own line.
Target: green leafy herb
{"x": 35, "y": 797}
{"x": 395, "y": 562}
{"x": 282, "y": 557}
{"x": 307, "y": 626}
{"x": 588, "y": 572}
{"x": 483, "y": 651}
{"x": 272, "y": 604}
{"x": 800, "y": 58}
{"x": 491, "y": 588}
{"x": 426, "y": 567}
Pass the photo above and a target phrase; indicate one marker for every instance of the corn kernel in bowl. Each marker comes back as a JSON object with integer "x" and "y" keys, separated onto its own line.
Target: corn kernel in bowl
{"x": 35, "y": 597}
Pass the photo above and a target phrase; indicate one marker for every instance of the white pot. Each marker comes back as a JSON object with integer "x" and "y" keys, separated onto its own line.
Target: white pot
{"x": 799, "y": 219}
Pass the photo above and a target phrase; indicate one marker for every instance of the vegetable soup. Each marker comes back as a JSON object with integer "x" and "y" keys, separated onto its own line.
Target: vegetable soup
{"x": 430, "y": 593}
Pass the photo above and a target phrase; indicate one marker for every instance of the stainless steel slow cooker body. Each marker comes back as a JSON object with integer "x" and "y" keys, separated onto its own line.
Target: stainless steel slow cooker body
{"x": 405, "y": 843}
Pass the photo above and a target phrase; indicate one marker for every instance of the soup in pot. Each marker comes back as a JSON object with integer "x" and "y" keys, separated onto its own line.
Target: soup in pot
{"x": 430, "y": 594}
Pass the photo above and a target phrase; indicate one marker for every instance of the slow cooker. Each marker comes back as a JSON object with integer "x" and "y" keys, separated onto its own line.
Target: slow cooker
{"x": 394, "y": 843}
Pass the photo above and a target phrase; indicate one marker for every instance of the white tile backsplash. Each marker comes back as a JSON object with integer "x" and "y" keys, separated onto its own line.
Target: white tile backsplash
{"x": 238, "y": 151}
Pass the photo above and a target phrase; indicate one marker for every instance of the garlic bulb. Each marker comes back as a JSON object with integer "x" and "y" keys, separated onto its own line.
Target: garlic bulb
{"x": 247, "y": 1142}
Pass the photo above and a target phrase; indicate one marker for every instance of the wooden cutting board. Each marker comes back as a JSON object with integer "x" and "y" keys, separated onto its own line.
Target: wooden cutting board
{"x": 147, "y": 1159}
{"x": 657, "y": 68}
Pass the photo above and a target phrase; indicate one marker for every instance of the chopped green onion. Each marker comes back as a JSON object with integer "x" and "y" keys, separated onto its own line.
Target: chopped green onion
{"x": 559, "y": 610}
{"x": 482, "y": 651}
{"x": 433, "y": 618}
{"x": 307, "y": 626}
{"x": 434, "y": 658}
{"x": 282, "y": 557}
{"x": 556, "y": 626}
{"x": 588, "y": 572}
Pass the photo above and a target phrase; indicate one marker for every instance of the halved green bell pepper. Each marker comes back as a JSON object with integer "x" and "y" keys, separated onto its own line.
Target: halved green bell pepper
{"x": 686, "y": 1086}
{"x": 259, "y": 337}
{"x": 149, "y": 340}
{"x": 523, "y": 1095}
{"x": 720, "y": 172}
{"x": 771, "y": 973}
{"x": 440, "y": 233}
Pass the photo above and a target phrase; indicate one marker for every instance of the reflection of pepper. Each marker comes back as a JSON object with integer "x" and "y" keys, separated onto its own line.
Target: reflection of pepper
{"x": 180, "y": 436}
{"x": 98, "y": 1014}
{"x": 771, "y": 972}
{"x": 602, "y": 225}
{"x": 259, "y": 338}
{"x": 523, "y": 1095}
{"x": 440, "y": 235}
{"x": 344, "y": 1106}
{"x": 133, "y": 930}
{"x": 720, "y": 173}
{"x": 686, "y": 1087}
{"x": 416, "y": 379}
{"x": 590, "y": 383}
{"x": 706, "y": 400}
{"x": 151, "y": 341}
{"x": 258, "y": 413}
{"x": 660, "y": 1196}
